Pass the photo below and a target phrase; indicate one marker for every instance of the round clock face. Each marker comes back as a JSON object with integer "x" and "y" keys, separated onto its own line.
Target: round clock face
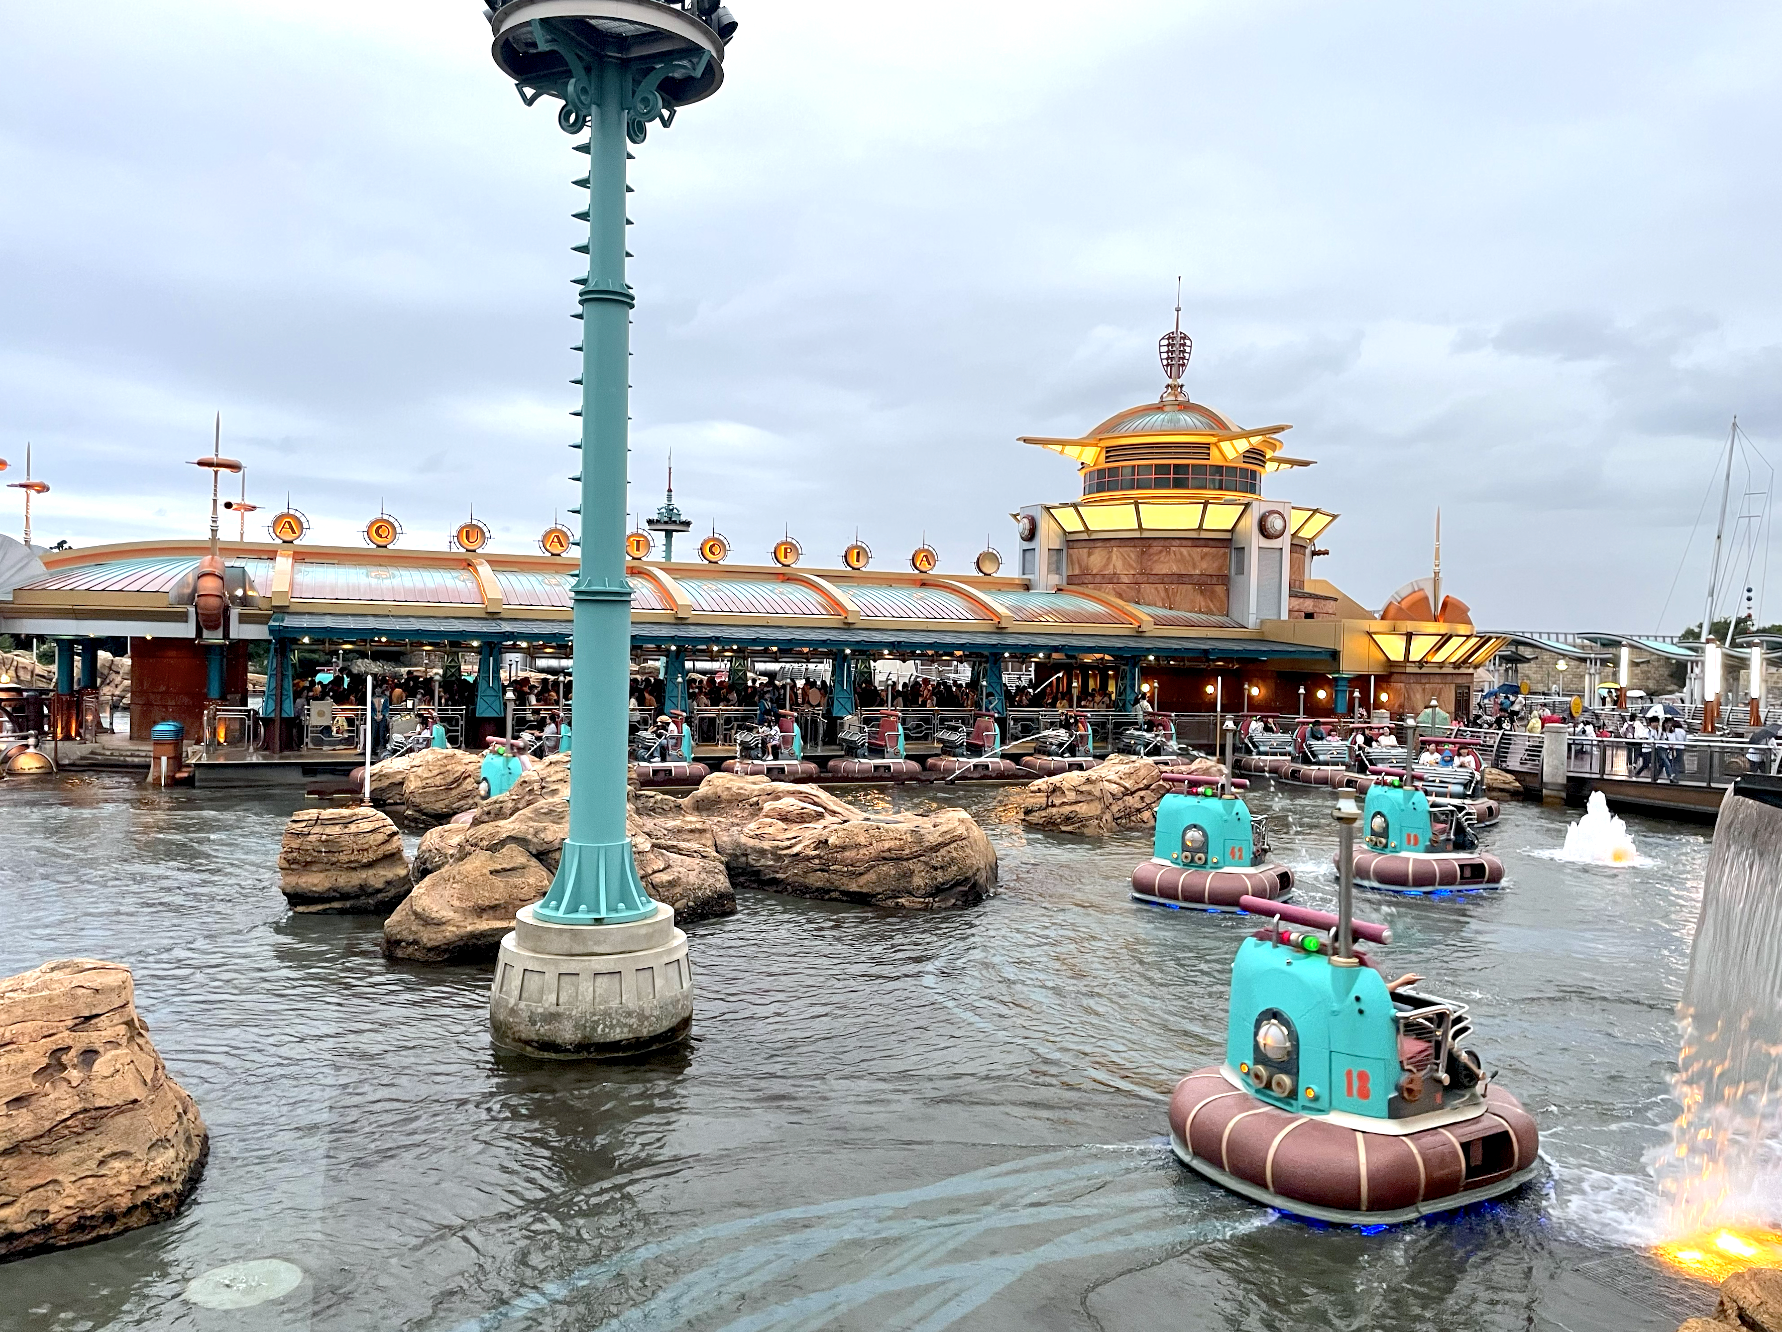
{"x": 1274, "y": 524}
{"x": 786, "y": 552}
{"x": 924, "y": 559}
{"x": 382, "y": 531}
{"x": 637, "y": 545}
{"x": 713, "y": 549}
{"x": 857, "y": 556}
{"x": 1027, "y": 527}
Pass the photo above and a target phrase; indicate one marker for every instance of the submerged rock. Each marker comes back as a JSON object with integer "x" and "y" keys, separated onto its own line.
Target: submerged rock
{"x": 459, "y": 912}
{"x": 1121, "y": 792}
{"x": 342, "y": 860}
{"x": 97, "y": 1139}
{"x": 800, "y": 839}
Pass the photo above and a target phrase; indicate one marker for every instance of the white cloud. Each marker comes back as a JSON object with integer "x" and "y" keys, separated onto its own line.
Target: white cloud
{"x": 1514, "y": 261}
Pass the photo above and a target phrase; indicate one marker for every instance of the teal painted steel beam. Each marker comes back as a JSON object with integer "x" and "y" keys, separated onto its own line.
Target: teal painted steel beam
{"x": 64, "y": 665}
{"x": 597, "y": 880}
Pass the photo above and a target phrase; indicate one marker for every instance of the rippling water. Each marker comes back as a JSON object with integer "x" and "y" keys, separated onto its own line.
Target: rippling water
{"x": 912, "y": 1122}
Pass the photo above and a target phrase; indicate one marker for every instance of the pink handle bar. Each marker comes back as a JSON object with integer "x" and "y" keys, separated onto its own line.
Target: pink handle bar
{"x": 1237, "y": 783}
{"x": 1317, "y": 920}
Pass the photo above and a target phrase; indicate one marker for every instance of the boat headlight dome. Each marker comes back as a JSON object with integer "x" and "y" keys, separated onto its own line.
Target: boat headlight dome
{"x": 1194, "y": 838}
{"x": 1377, "y": 824}
{"x": 1275, "y": 1041}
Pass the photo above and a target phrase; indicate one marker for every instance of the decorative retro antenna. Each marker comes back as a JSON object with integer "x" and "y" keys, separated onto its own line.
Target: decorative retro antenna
{"x": 30, "y": 487}
{"x": 1174, "y": 350}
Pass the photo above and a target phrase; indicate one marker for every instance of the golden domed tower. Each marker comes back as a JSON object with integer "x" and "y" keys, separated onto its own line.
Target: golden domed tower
{"x": 1173, "y": 513}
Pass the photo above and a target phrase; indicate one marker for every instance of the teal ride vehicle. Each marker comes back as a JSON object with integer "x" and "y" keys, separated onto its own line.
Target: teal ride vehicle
{"x": 1344, "y": 1096}
{"x": 1208, "y": 851}
{"x": 1413, "y": 844}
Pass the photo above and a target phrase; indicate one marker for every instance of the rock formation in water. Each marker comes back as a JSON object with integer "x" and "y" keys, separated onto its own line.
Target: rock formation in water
{"x": 471, "y": 877}
{"x": 424, "y": 789}
{"x": 1750, "y": 1300}
{"x": 342, "y": 860}
{"x": 96, "y": 1139}
{"x": 1499, "y": 782}
{"x": 799, "y": 839}
{"x": 458, "y": 913}
{"x": 1121, "y": 792}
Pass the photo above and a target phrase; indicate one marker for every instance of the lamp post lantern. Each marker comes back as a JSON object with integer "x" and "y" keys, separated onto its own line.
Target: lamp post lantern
{"x": 598, "y": 967}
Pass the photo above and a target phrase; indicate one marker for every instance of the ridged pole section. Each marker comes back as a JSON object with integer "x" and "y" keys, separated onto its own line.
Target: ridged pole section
{"x": 597, "y": 882}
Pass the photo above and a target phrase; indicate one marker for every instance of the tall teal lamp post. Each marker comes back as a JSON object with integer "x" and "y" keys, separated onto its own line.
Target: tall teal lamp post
{"x": 571, "y": 979}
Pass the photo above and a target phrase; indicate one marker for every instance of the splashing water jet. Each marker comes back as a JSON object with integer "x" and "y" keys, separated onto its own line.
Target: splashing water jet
{"x": 1720, "y": 1178}
{"x": 1599, "y": 838}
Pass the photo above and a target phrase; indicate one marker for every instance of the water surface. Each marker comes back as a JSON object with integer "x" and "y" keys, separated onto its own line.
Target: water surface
{"x": 882, "y": 1121}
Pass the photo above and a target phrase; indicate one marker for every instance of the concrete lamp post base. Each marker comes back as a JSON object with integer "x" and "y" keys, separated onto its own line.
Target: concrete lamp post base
{"x": 591, "y": 991}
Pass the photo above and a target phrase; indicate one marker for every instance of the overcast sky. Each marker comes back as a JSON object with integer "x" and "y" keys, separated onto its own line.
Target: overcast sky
{"x": 1518, "y": 260}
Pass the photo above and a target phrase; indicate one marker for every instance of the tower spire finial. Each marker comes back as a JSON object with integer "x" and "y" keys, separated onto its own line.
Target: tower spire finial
{"x": 1174, "y": 350}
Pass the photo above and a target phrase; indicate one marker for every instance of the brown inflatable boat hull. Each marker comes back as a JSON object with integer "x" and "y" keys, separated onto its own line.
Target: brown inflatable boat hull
{"x": 1209, "y": 889}
{"x": 1399, "y": 872}
{"x": 1306, "y": 1165}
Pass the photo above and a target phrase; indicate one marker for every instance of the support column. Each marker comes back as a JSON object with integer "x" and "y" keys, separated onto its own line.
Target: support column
{"x": 674, "y": 679}
{"x": 1340, "y": 697}
{"x": 64, "y": 665}
{"x": 995, "y": 696}
{"x": 841, "y": 685}
{"x": 278, "y": 704}
{"x": 597, "y": 882}
{"x": 491, "y": 708}
{"x": 213, "y": 670}
{"x": 1128, "y": 696}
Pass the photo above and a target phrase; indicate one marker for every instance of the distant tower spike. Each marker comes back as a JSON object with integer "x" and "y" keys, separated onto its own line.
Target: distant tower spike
{"x": 1174, "y": 350}
{"x": 668, "y": 519}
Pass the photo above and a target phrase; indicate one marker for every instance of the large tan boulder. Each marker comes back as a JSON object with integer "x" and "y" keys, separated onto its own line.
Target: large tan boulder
{"x": 438, "y": 783}
{"x": 342, "y": 860}
{"x": 548, "y": 779}
{"x": 1122, "y": 792}
{"x": 460, "y": 912}
{"x": 677, "y": 859}
{"x": 387, "y": 779}
{"x": 96, "y": 1138}
{"x": 1499, "y": 782}
{"x": 438, "y": 848}
{"x": 800, "y": 839}
{"x": 537, "y": 829}
{"x": 1752, "y": 1299}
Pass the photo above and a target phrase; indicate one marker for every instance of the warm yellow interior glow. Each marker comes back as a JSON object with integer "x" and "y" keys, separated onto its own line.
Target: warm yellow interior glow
{"x": 1171, "y": 517}
{"x": 1222, "y": 517}
{"x": 1067, "y": 517}
{"x": 1391, "y": 645}
{"x": 1421, "y": 644}
{"x": 1308, "y": 523}
{"x": 1110, "y": 517}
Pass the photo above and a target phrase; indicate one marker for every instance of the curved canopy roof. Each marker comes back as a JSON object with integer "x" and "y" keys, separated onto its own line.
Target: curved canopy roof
{"x": 138, "y": 583}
